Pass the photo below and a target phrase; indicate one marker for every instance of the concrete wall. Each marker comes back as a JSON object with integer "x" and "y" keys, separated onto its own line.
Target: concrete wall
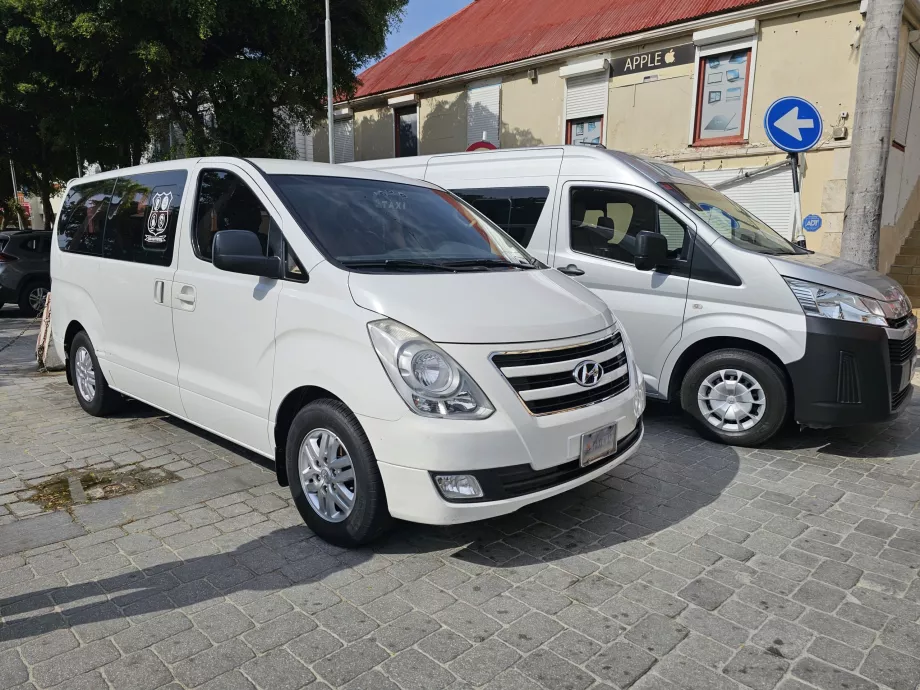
{"x": 375, "y": 134}
{"x": 532, "y": 113}
{"x": 442, "y": 121}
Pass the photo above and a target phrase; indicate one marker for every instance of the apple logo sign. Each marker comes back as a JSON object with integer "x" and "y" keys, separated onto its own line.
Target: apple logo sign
{"x": 669, "y": 57}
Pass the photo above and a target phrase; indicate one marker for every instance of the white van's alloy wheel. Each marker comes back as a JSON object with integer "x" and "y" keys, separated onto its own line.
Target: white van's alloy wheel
{"x": 732, "y": 400}
{"x": 85, "y": 374}
{"x": 327, "y": 475}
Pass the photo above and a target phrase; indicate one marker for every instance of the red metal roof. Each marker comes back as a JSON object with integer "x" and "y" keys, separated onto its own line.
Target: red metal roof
{"x": 487, "y": 33}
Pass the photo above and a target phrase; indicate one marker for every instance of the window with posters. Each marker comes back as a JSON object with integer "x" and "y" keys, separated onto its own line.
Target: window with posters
{"x": 587, "y": 130}
{"x": 721, "y": 108}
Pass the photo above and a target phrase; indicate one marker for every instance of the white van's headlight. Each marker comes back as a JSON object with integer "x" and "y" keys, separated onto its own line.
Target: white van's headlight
{"x": 427, "y": 378}
{"x": 831, "y": 303}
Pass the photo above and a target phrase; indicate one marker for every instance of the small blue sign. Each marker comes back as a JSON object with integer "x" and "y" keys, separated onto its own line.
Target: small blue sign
{"x": 793, "y": 124}
{"x": 812, "y": 223}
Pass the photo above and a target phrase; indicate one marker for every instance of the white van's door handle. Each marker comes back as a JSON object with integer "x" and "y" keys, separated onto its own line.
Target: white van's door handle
{"x": 186, "y": 298}
{"x": 571, "y": 270}
{"x": 159, "y": 289}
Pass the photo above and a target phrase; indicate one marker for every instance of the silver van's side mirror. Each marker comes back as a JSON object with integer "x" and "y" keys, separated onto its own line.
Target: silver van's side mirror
{"x": 239, "y": 251}
{"x": 651, "y": 250}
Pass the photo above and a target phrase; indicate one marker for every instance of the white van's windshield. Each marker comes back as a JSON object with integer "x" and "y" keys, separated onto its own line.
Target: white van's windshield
{"x": 729, "y": 219}
{"x": 385, "y": 226}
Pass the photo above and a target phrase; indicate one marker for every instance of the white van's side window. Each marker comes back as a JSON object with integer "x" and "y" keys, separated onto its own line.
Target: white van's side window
{"x": 225, "y": 202}
{"x": 605, "y": 222}
{"x": 82, "y": 217}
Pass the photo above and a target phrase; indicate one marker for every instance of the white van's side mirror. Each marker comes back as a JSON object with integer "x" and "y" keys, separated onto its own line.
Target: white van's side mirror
{"x": 651, "y": 250}
{"x": 239, "y": 251}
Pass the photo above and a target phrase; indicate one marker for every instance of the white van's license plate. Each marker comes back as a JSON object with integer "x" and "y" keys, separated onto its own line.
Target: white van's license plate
{"x": 598, "y": 444}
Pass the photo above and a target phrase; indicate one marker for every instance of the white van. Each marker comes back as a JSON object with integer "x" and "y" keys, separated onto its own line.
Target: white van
{"x": 742, "y": 327}
{"x": 390, "y": 349}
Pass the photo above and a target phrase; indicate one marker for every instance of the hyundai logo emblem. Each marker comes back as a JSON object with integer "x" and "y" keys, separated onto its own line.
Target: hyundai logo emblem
{"x": 588, "y": 374}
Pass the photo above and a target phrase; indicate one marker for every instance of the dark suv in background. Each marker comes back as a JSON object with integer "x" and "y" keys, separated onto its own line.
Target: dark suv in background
{"x": 25, "y": 269}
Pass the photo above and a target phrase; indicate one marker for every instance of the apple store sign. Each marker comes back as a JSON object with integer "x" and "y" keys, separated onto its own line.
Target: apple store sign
{"x": 683, "y": 54}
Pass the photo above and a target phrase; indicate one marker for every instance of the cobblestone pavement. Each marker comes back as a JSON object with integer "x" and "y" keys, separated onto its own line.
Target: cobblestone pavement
{"x": 691, "y": 566}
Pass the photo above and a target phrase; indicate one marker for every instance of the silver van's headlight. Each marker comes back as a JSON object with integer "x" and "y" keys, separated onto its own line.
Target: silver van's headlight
{"x": 427, "y": 378}
{"x": 831, "y": 303}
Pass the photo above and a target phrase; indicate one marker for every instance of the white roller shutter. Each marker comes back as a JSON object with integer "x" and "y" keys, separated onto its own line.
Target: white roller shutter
{"x": 586, "y": 96}
{"x": 906, "y": 96}
{"x": 767, "y": 196}
{"x": 345, "y": 141}
{"x": 482, "y": 113}
{"x": 303, "y": 144}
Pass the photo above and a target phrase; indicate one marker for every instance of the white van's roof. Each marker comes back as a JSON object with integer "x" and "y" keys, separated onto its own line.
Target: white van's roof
{"x": 269, "y": 166}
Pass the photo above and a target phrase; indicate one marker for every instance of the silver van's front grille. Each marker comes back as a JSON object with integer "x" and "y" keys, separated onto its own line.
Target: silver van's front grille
{"x": 546, "y": 380}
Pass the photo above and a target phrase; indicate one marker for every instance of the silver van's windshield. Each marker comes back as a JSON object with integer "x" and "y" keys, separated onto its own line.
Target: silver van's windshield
{"x": 729, "y": 219}
{"x": 386, "y": 226}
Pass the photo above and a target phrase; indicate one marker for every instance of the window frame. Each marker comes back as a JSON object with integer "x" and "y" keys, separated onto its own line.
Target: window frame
{"x": 679, "y": 267}
{"x": 699, "y": 85}
{"x": 411, "y": 108}
{"x": 570, "y": 125}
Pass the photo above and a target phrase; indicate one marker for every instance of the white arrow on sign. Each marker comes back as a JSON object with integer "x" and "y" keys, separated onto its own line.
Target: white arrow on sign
{"x": 792, "y": 125}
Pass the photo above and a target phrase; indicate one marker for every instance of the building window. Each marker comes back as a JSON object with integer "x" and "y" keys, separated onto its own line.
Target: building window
{"x": 722, "y": 97}
{"x": 588, "y": 130}
{"x": 406, "y": 131}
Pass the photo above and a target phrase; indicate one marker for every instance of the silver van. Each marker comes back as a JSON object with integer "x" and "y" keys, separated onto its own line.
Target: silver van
{"x": 743, "y": 328}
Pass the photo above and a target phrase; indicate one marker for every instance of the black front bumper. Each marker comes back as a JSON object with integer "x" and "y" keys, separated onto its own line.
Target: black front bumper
{"x": 852, "y": 373}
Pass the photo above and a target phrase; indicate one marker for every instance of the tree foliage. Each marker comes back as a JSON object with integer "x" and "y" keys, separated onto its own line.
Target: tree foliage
{"x": 233, "y": 75}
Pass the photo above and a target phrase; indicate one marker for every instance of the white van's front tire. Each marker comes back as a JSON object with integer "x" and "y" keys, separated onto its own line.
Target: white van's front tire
{"x": 736, "y": 397}
{"x": 93, "y": 392}
{"x": 334, "y": 477}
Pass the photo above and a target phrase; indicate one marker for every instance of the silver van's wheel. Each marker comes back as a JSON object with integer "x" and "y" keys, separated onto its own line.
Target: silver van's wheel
{"x": 732, "y": 400}
{"x": 737, "y": 397}
{"x": 327, "y": 475}
{"x": 334, "y": 478}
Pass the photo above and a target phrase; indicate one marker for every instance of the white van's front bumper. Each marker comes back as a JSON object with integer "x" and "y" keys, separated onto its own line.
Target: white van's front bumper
{"x": 508, "y": 450}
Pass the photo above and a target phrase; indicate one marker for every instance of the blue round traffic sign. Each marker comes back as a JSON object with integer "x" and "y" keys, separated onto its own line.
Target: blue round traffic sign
{"x": 793, "y": 124}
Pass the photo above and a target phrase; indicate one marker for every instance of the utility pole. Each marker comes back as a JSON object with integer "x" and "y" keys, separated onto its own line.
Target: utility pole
{"x": 15, "y": 193}
{"x": 329, "y": 92}
{"x": 875, "y": 95}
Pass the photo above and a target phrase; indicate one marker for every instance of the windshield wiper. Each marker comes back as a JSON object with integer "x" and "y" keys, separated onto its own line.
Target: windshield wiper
{"x": 402, "y": 265}
{"x": 489, "y": 263}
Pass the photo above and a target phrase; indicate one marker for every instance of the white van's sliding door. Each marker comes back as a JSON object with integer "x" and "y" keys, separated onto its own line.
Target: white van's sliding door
{"x": 225, "y": 322}
{"x": 596, "y": 234}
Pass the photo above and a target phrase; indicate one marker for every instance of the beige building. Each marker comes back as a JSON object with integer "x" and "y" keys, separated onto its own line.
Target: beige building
{"x": 681, "y": 84}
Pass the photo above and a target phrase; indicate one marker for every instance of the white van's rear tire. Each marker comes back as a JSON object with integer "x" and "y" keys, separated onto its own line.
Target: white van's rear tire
{"x": 736, "y": 397}
{"x": 93, "y": 392}
{"x": 333, "y": 475}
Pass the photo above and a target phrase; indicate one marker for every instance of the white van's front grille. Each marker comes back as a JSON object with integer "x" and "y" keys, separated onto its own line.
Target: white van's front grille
{"x": 561, "y": 379}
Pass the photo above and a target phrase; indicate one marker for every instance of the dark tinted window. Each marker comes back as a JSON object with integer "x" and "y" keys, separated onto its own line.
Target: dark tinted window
{"x": 407, "y": 131}
{"x": 225, "y": 202}
{"x": 516, "y": 210}
{"x": 82, "y": 218}
{"x": 605, "y": 222}
{"x": 360, "y": 222}
{"x": 142, "y": 217}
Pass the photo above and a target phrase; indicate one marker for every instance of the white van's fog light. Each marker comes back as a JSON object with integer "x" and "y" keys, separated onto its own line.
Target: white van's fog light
{"x": 458, "y": 486}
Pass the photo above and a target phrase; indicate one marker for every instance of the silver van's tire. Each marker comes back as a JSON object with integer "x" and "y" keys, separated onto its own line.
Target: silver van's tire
{"x": 736, "y": 397}
{"x": 333, "y": 474}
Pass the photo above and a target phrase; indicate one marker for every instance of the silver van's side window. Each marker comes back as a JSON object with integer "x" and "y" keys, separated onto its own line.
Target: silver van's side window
{"x": 605, "y": 222}
{"x": 516, "y": 210}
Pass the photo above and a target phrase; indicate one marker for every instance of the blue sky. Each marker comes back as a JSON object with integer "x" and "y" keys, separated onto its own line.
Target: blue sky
{"x": 420, "y": 16}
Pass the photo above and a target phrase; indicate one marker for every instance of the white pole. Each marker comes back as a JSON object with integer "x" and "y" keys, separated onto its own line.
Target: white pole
{"x": 798, "y": 234}
{"x": 329, "y": 92}
{"x": 15, "y": 192}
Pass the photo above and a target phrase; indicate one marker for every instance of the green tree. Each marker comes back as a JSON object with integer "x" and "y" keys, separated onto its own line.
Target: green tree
{"x": 54, "y": 114}
{"x": 233, "y": 75}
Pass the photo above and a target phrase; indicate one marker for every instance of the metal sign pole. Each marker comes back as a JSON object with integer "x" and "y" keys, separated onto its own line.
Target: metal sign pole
{"x": 797, "y": 232}
{"x": 329, "y": 90}
{"x": 15, "y": 192}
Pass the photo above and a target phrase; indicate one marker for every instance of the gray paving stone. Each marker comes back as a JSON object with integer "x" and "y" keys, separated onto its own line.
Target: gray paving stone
{"x": 756, "y": 668}
{"x": 314, "y": 646}
{"x": 709, "y": 624}
{"x": 74, "y": 663}
{"x": 770, "y": 603}
{"x": 140, "y": 671}
{"x": 686, "y": 674}
{"x": 279, "y": 631}
{"x": 232, "y": 680}
{"x": 48, "y": 646}
{"x": 346, "y": 621}
{"x": 12, "y": 671}
{"x": 654, "y": 599}
{"x": 706, "y": 593}
{"x": 705, "y": 651}
{"x": 212, "y": 663}
{"x": 406, "y": 631}
{"x": 484, "y": 661}
{"x": 903, "y": 636}
{"x": 553, "y": 672}
{"x": 181, "y": 646}
{"x": 444, "y": 645}
{"x": 891, "y": 668}
{"x": 848, "y": 633}
{"x": 829, "y": 677}
{"x": 468, "y": 622}
{"x": 277, "y": 670}
{"x": 529, "y": 632}
{"x": 657, "y": 634}
{"x": 819, "y": 596}
{"x": 782, "y": 638}
{"x": 412, "y": 670}
{"x": 349, "y": 662}
{"x": 573, "y": 646}
{"x": 836, "y": 653}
